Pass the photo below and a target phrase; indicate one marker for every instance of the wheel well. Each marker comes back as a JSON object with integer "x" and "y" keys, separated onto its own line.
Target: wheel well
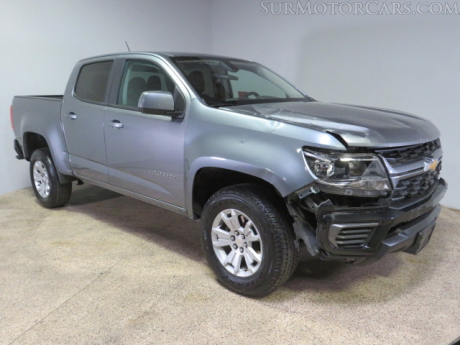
{"x": 210, "y": 180}
{"x": 33, "y": 141}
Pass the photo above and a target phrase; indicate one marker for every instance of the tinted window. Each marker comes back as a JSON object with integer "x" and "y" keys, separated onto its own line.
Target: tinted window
{"x": 247, "y": 81}
{"x": 141, "y": 76}
{"x": 92, "y": 81}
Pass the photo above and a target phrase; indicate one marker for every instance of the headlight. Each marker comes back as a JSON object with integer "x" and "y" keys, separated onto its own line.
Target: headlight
{"x": 354, "y": 174}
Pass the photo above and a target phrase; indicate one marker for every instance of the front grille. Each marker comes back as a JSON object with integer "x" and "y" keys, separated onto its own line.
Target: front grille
{"x": 417, "y": 186}
{"x": 408, "y": 154}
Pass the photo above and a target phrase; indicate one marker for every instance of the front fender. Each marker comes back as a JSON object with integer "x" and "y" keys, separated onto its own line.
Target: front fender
{"x": 263, "y": 148}
{"x": 261, "y": 172}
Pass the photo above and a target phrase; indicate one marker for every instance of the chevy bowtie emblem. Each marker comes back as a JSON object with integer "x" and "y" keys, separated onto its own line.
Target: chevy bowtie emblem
{"x": 430, "y": 164}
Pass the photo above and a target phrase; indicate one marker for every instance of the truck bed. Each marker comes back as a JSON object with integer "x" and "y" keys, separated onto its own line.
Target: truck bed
{"x": 35, "y": 112}
{"x": 40, "y": 115}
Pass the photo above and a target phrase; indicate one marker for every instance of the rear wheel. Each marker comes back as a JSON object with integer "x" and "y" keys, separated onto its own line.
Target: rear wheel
{"x": 248, "y": 240}
{"x": 45, "y": 181}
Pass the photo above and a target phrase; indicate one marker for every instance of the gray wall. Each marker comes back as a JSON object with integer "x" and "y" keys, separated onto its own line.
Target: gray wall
{"x": 409, "y": 63}
{"x": 42, "y": 40}
{"x": 401, "y": 62}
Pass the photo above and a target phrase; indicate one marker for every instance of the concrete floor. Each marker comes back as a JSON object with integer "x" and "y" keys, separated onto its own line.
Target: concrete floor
{"x": 107, "y": 269}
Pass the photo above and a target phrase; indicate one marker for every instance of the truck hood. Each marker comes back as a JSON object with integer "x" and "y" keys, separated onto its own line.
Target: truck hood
{"x": 356, "y": 125}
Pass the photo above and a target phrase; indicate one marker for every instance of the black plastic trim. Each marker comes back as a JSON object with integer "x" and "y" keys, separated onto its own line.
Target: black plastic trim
{"x": 406, "y": 224}
{"x": 18, "y": 149}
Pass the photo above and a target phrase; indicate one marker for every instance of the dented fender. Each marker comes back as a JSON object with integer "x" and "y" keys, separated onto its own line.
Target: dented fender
{"x": 263, "y": 148}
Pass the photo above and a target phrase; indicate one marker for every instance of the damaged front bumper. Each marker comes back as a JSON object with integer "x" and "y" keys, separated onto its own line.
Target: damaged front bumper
{"x": 365, "y": 234}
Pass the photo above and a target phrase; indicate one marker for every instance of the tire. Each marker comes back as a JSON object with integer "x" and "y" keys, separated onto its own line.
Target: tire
{"x": 45, "y": 181}
{"x": 261, "y": 255}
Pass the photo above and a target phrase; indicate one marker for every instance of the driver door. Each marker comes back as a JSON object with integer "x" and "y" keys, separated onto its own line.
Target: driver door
{"x": 145, "y": 153}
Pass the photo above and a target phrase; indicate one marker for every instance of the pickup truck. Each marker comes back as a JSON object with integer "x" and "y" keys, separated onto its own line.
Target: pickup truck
{"x": 267, "y": 169}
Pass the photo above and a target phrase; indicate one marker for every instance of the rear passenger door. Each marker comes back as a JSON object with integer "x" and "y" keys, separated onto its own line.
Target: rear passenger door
{"x": 83, "y": 118}
{"x": 145, "y": 153}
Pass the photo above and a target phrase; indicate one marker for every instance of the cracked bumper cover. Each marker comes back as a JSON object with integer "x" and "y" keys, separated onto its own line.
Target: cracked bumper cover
{"x": 406, "y": 229}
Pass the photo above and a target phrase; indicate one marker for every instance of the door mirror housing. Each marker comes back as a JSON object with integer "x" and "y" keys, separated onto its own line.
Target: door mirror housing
{"x": 158, "y": 103}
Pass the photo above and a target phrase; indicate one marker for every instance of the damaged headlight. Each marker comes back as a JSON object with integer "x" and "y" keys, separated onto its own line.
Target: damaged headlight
{"x": 354, "y": 174}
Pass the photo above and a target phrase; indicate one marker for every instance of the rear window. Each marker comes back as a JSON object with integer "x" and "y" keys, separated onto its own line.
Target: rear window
{"x": 92, "y": 81}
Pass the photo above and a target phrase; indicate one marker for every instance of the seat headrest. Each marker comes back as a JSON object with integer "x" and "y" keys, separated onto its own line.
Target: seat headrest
{"x": 153, "y": 83}
{"x": 196, "y": 78}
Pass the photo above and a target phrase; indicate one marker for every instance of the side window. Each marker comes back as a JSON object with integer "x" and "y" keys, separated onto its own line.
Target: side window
{"x": 92, "y": 81}
{"x": 141, "y": 76}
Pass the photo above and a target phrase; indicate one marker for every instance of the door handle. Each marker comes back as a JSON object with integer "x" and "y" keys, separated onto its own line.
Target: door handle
{"x": 72, "y": 115}
{"x": 116, "y": 124}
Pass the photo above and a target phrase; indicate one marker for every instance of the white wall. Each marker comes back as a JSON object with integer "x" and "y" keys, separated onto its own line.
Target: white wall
{"x": 42, "y": 40}
{"x": 410, "y": 63}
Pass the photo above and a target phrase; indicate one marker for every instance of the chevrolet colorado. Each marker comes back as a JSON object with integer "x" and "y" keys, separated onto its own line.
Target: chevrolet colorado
{"x": 266, "y": 168}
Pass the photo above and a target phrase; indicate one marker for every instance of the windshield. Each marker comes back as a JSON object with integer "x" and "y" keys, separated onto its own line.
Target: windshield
{"x": 222, "y": 82}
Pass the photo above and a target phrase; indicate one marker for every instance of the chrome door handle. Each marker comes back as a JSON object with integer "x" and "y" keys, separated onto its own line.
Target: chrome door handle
{"x": 72, "y": 115}
{"x": 116, "y": 124}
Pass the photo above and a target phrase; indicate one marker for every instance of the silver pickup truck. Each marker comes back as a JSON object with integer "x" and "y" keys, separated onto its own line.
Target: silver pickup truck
{"x": 266, "y": 168}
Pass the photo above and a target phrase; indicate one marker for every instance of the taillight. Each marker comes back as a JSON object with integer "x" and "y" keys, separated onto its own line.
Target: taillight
{"x": 11, "y": 117}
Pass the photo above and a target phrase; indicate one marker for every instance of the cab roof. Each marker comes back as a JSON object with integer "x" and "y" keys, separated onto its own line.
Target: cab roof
{"x": 166, "y": 55}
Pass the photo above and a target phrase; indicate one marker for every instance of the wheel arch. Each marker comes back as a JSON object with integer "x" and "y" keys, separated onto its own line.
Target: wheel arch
{"x": 33, "y": 141}
{"x": 206, "y": 179}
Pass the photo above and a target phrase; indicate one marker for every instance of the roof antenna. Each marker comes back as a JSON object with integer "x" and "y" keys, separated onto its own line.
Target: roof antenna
{"x": 127, "y": 46}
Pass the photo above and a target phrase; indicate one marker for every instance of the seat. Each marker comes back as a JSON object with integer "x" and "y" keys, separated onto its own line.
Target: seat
{"x": 196, "y": 78}
{"x": 153, "y": 83}
{"x": 135, "y": 89}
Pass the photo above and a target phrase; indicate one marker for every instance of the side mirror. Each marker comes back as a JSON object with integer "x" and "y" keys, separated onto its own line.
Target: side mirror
{"x": 158, "y": 103}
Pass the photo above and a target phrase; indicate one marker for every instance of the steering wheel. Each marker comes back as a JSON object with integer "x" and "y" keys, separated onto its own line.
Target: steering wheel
{"x": 252, "y": 93}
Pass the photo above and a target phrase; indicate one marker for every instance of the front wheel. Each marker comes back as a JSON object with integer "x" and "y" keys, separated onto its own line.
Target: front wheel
{"x": 248, "y": 240}
{"x": 45, "y": 181}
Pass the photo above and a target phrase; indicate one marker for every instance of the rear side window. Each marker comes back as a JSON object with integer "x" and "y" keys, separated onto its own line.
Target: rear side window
{"x": 92, "y": 81}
